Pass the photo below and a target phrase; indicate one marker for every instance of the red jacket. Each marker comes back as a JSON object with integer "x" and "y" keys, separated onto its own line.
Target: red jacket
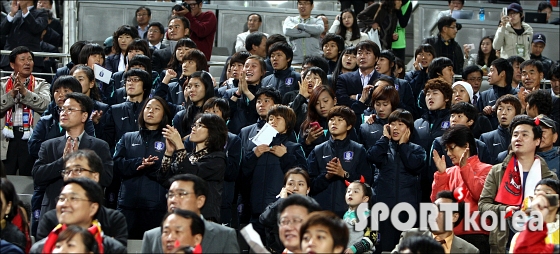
{"x": 471, "y": 177}
{"x": 533, "y": 241}
{"x": 202, "y": 31}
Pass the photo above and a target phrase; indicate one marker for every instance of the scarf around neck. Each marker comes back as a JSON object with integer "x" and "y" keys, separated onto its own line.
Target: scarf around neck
{"x": 95, "y": 230}
{"x": 512, "y": 189}
{"x": 27, "y": 112}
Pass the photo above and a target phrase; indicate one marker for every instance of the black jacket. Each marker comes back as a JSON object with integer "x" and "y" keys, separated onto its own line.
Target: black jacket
{"x": 13, "y": 235}
{"x": 325, "y": 137}
{"x": 489, "y": 97}
{"x": 112, "y": 62}
{"x": 121, "y": 118}
{"x": 283, "y": 81}
{"x": 417, "y": 80}
{"x": 112, "y": 221}
{"x": 449, "y": 49}
{"x": 370, "y": 133}
{"x": 140, "y": 188}
{"x": 349, "y": 84}
{"x": 330, "y": 193}
{"x": 497, "y": 141}
{"x": 242, "y": 112}
{"x": 160, "y": 58}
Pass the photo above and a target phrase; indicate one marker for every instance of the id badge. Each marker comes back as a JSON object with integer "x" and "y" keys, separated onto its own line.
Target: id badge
{"x": 520, "y": 49}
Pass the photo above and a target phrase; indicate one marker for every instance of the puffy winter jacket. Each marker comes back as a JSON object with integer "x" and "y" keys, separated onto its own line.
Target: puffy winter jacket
{"x": 506, "y": 40}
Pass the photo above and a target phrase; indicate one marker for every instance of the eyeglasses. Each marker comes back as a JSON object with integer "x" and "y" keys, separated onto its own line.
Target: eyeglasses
{"x": 474, "y": 79}
{"x": 135, "y": 79}
{"x": 287, "y": 222}
{"x": 181, "y": 194}
{"x": 154, "y": 31}
{"x": 193, "y": 5}
{"x": 77, "y": 171}
{"x": 141, "y": 14}
{"x": 73, "y": 200}
{"x": 197, "y": 126}
{"x": 303, "y": 3}
{"x": 69, "y": 110}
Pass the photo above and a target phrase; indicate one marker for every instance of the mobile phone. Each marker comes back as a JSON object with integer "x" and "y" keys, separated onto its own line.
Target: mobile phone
{"x": 471, "y": 46}
{"x": 504, "y": 11}
{"x": 552, "y": 199}
{"x": 315, "y": 125}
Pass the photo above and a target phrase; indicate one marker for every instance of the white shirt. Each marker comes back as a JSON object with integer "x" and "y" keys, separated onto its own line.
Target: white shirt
{"x": 10, "y": 18}
{"x": 122, "y": 65}
{"x": 158, "y": 46}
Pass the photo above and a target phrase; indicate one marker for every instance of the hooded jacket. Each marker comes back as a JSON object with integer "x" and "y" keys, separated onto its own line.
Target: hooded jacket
{"x": 506, "y": 40}
{"x": 283, "y": 80}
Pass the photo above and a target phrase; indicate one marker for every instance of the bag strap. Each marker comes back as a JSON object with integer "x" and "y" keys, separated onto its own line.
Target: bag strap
{"x": 377, "y": 12}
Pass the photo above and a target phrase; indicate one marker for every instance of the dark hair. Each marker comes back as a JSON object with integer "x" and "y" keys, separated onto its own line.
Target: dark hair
{"x": 442, "y": 86}
{"x": 312, "y": 114}
{"x": 404, "y": 116}
{"x": 391, "y": 57}
{"x": 75, "y": 50}
{"x": 85, "y": 102}
{"x": 239, "y": 57}
{"x": 94, "y": 192}
{"x": 421, "y": 244}
{"x": 197, "y": 224}
{"x": 504, "y": 65}
{"x": 221, "y": 103}
{"x": 435, "y": 69}
{"x": 316, "y": 71}
{"x": 355, "y": 29}
{"x": 510, "y": 99}
{"x": 386, "y": 92}
{"x": 285, "y": 48}
{"x": 460, "y": 135}
{"x": 317, "y": 61}
{"x": 449, "y": 195}
{"x": 255, "y": 39}
{"x": 274, "y": 38}
{"x": 198, "y": 57}
{"x": 269, "y": 92}
{"x": 550, "y": 182}
{"x": 200, "y": 186}
{"x": 139, "y": 44}
{"x": 67, "y": 81}
{"x": 94, "y": 92}
{"x": 158, "y": 25}
{"x": 337, "y": 227}
{"x": 183, "y": 42}
{"x": 261, "y": 63}
{"x": 467, "y": 109}
{"x": 88, "y": 50}
{"x": 338, "y": 69}
{"x": 94, "y": 161}
{"x": 165, "y": 120}
{"x": 515, "y": 59}
{"x": 285, "y": 112}
{"x": 310, "y": 1}
{"x": 185, "y": 21}
{"x": 369, "y": 46}
{"x": 10, "y": 195}
{"x": 217, "y": 131}
{"x": 368, "y": 192}
{"x": 424, "y": 48}
{"x": 532, "y": 62}
{"x": 445, "y": 21}
{"x": 19, "y": 50}
{"x": 524, "y": 119}
{"x": 144, "y": 8}
{"x": 190, "y": 107}
{"x": 144, "y": 76}
{"x": 345, "y": 112}
{"x": 543, "y": 5}
{"x": 399, "y": 63}
{"x": 143, "y": 61}
{"x": 298, "y": 171}
{"x": 555, "y": 71}
{"x": 122, "y": 30}
{"x": 249, "y": 16}
{"x": 87, "y": 238}
{"x": 492, "y": 55}
{"x": 470, "y": 69}
{"x": 542, "y": 100}
{"x": 339, "y": 40}
{"x": 299, "y": 200}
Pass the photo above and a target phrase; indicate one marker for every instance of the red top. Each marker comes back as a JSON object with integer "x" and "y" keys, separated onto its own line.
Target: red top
{"x": 203, "y": 29}
{"x": 533, "y": 241}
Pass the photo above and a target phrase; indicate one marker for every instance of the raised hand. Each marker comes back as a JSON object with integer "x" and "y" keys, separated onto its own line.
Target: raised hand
{"x": 464, "y": 158}
{"x": 335, "y": 168}
{"x": 303, "y": 89}
{"x": 405, "y": 137}
{"x": 96, "y": 115}
{"x": 386, "y": 131}
{"x": 171, "y": 134}
{"x": 314, "y": 133}
{"x": 439, "y": 161}
{"x": 365, "y": 93}
{"x": 370, "y": 119}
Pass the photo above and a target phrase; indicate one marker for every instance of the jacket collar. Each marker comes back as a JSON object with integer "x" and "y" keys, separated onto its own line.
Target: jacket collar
{"x": 500, "y": 91}
{"x": 339, "y": 143}
{"x": 545, "y": 171}
{"x": 283, "y": 73}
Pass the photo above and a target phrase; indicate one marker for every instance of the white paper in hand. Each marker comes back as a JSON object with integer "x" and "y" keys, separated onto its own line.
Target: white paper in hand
{"x": 253, "y": 239}
{"x": 102, "y": 74}
{"x": 265, "y": 135}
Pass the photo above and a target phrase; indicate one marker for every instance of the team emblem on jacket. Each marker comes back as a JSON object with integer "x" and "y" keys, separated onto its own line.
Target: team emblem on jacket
{"x": 348, "y": 155}
{"x": 445, "y": 125}
{"x": 289, "y": 81}
{"x": 159, "y": 146}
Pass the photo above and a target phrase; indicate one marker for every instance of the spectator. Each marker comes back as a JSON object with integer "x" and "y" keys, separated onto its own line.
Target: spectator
{"x": 513, "y": 37}
{"x": 545, "y": 7}
{"x": 303, "y": 32}
{"x": 454, "y": 5}
{"x": 298, "y": 100}
{"x": 420, "y": 244}
{"x": 123, "y": 36}
{"x": 440, "y": 68}
{"x": 547, "y": 150}
{"x": 462, "y": 92}
{"x": 537, "y": 47}
{"x": 396, "y": 158}
{"x": 75, "y": 239}
{"x": 87, "y": 164}
{"x": 467, "y": 172}
{"x": 346, "y": 25}
{"x": 499, "y": 76}
{"x": 347, "y": 62}
{"x": 532, "y": 74}
{"x": 496, "y": 197}
{"x": 178, "y": 28}
{"x": 53, "y": 32}
{"x": 255, "y": 43}
{"x": 203, "y": 25}
{"x": 448, "y": 240}
{"x": 315, "y": 61}
{"x": 538, "y": 103}
{"x": 136, "y": 47}
{"x": 284, "y": 77}
{"x": 82, "y": 215}
{"x": 360, "y": 241}
{"x": 445, "y": 45}
{"x": 182, "y": 48}
{"x": 384, "y": 100}
{"x": 386, "y": 66}
{"x": 381, "y": 17}
{"x": 254, "y": 22}
{"x": 472, "y": 74}
{"x": 23, "y": 27}
{"x": 555, "y": 81}
{"x": 189, "y": 192}
{"x": 498, "y": 140}
{"x": 185, "y": 221}
{"x": 10, "y": 206}
{"x": 357, "y": 5}
{"x": 323, "y": 232}
{"x": 24, "y": 98}
{"x": 141, "y": 62}
{"x": 155, "y": 35}
{"x": 235, "y": 66}
{"x": 417, "y": 78}
{"x": 273, "y": 38}
{"x": 90, "y": 55}
{"x": 486, "y": 54}
{"x": 399, "y": 44}
{"x": 332, "y": 46}
{"x": 325, "y": 23}
{"x": 74, "y": 55}
{"x": 400, "y": 69}
{"x": 143, "y": 17}
{"x": 515, "y": 62}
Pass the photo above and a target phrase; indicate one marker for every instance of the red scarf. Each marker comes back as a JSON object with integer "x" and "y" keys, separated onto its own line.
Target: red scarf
{"x": 8, "y": 130}
{"x": 510, "y": 191}
{"x": 95, "y": 230}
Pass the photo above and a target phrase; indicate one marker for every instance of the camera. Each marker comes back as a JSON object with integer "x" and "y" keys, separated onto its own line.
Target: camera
{"x": 180, "y": 7}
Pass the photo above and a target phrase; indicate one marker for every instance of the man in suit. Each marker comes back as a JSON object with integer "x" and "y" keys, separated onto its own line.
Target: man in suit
{"x": 23, "y": 27}
{"x": 155, "y": 36}
{"x": 449, "y": 241}
{"x": 189, "y": 192}
{"x": 178, "y": 28}
{"x": 349, "y": 86}
{"x": 74, "y": 113}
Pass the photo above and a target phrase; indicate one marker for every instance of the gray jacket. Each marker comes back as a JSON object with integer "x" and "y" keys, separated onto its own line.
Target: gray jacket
{"x": 304, "y": 35}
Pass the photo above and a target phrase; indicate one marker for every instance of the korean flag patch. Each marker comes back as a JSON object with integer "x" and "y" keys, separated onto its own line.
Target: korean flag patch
{"x": 445, "y": 125}
{"x": 348, "y": 155}
{"x": 289, "y": 81}
{"x": 159, "y": 146}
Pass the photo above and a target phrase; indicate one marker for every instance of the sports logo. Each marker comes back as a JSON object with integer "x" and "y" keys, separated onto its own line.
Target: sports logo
{"x": 159, "y": 146}
{"x": 348, "y": 155}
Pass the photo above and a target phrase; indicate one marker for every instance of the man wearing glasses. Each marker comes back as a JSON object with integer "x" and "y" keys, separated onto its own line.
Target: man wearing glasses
{"x": 74, "y": 113}
{"x": 304, "y": 32}
{"x": 189, "y": 192}
{"x": 143, "y": 17}
{"x": 86, "y": 163}
{"x": 445, "y": 45}
{"x": 203, "y": 25}
{"x": 155, "y": 36}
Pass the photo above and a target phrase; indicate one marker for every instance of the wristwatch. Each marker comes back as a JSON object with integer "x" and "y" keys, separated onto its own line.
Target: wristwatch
{"x": 346, "y": 175}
